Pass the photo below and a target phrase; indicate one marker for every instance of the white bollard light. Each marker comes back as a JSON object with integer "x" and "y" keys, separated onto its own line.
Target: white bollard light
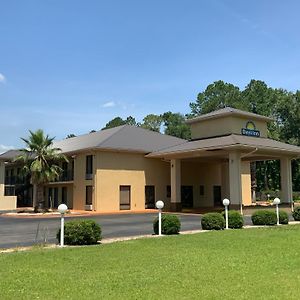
{"x": 276, "y": 201}
{"x": 62, "y": 208}
{"x": 226, "y": 202}
{"x": 159, "y": 205}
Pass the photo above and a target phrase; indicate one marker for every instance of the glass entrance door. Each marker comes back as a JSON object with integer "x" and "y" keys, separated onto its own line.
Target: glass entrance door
{"x": 187, "y": 200}
{"x": 217, "y": 195}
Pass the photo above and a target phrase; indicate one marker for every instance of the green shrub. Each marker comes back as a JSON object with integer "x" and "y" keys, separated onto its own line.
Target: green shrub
{"x": 283, "y": 217}
{"x": 296, "y": 213}
{"x": 213, "y": 221}
{"x": 81, "y": 232}
{"x": 235, "y": 219}
{"x": 170, "y": 224}
{"x": 264, "y": 217}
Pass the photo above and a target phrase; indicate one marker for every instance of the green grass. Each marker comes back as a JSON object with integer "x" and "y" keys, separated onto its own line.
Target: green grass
{"x": 233, "y": 264}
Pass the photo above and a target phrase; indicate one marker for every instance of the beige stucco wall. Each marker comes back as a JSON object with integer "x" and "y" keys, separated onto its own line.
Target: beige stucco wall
{"x": 196, "y": 174}
{"x": 246, "y": 183}
{"x": 80, "y": 183}
{"x": 6, "y": 202}
{"x": 112, "y": 169}
{"x": 223, "y": 126}
{"x": 115, "y": 169}
{"x": 69, "y": 187}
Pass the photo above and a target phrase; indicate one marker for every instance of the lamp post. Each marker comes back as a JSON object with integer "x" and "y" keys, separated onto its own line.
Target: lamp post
{"x": 62, "y": 208}
{"x": 159, "y": 205}
{"x": 268, "y": 197}
{"x": 276, "y": 201}
{"x": 226, "y": 202}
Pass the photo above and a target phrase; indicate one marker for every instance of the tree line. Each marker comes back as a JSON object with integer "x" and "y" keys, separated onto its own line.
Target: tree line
{"x": 257, "y": 97}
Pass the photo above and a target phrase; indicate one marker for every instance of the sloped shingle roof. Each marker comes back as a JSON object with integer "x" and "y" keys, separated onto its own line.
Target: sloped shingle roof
{"x": 227, "y": 111}
{"x": 228, "y": 141}
{"x": 121, "y": 138}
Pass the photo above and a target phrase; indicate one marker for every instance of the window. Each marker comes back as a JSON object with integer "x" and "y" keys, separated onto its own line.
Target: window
{"x": 50, "y": 198}
{"x": 168, "y": 191}
{"x": 9, "y": 191}
{"x": 55, "y": 197}
{"x": 149, "y": 196}
{"x": 89, "y": 195}
{"x": 89, "y": 167}
{"x": 64, "y": 195}
{"x": 65, "y": 173}
{"x": 72, "y": 170}
{"x": 65, "y": 166}
{"x": 201, "y": 190}
{"x": 124, "y": 197}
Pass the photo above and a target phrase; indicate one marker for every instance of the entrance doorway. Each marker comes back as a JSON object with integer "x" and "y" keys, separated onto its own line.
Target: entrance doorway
{"x": 187, "y": 200}
{"x": 124, "y": 197}
{"x": 217, "y": 195}
{"x": 149, "y": 196}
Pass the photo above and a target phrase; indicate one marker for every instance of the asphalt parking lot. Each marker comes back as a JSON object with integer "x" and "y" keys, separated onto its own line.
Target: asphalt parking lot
{"x": 24, "y": 231}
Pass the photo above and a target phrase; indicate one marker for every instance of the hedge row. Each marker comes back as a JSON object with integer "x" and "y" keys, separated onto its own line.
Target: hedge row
{"x": 87, "y": 232}
{"x": 170, "y": 224}
{"x": 296, "y": 213}
{"x": 81, "y": 232}
{"x": 216, "y": 221}
{"x": 267, "y": 217}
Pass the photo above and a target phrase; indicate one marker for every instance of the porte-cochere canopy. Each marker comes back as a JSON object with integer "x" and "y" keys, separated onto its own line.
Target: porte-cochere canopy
{"x": 231, "y": 138}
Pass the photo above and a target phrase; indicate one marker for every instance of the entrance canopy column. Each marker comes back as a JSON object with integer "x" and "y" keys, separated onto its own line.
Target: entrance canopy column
{"x": 235, "y": 182}
{"x": 175, "y": 185}
{"x": 225, "y": 180}
{"x": 286, "y": 180}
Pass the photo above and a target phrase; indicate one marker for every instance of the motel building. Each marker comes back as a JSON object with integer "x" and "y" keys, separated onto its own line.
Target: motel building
{"x": 130, "y": 168}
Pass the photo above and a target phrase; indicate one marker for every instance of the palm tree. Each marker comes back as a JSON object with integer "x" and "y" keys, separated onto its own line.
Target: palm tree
{"x": 40, "y": 160}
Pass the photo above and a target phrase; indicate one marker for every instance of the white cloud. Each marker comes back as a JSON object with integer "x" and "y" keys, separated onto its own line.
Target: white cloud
{"x": 2, "y": 78}
{"x": 4, "y": 148}
{"x": 109, "y": 104}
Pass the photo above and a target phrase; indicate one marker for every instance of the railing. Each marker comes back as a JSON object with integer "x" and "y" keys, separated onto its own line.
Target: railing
{"x": 12, "y": 180}
{"x": 67, "y": 175}
{"x": 88, "y": 176}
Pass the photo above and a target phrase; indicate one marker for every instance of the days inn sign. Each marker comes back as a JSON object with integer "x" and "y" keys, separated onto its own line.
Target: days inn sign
{"x": 250, "y": 130}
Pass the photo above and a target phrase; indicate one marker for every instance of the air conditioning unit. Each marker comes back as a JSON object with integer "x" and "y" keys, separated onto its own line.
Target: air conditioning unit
{"x": 88, "y": 207}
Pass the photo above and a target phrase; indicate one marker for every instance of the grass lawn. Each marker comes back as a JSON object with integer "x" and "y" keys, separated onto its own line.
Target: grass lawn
{"x": 233, "y": 264}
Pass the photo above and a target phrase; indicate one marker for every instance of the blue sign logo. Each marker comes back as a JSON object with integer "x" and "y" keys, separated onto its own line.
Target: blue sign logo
{"x": 250, "y": 130}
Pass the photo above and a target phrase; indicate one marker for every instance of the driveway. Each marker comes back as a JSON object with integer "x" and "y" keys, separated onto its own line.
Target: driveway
{"x": 18, "y": 231}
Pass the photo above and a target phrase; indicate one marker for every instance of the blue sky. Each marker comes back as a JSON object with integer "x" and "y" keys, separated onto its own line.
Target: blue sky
{"x": 71, "y": 66}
